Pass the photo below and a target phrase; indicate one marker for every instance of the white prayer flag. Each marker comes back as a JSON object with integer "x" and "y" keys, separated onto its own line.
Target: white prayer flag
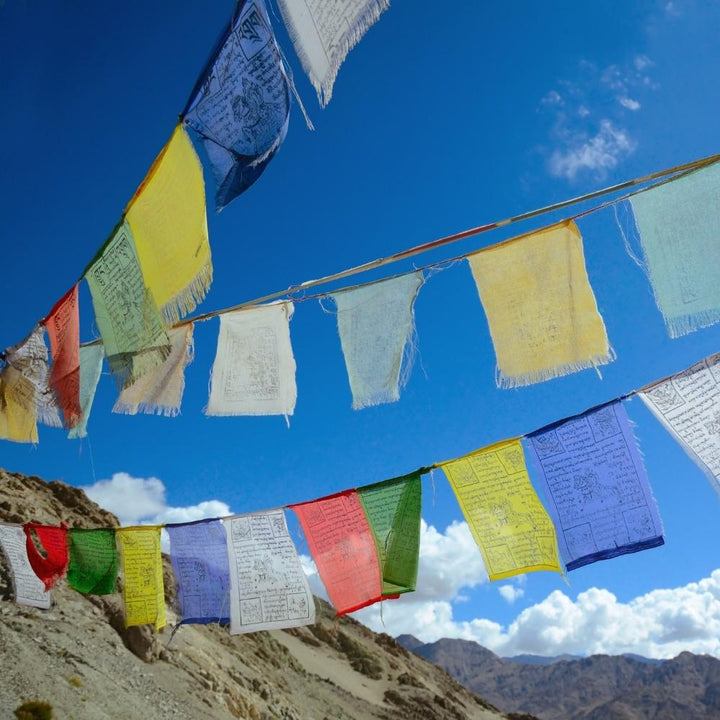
{"x": 29, "y": 589}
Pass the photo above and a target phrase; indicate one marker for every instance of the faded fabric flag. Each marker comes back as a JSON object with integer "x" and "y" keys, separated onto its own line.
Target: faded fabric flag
{"x": 27, "y": 587}
{"x": 688, "y": 405}
{"x": 541, "y": 310}
{"x": 254, "y": 368}
{"x": 343, "y": 547}
{"x": 49, "y": 558}
{"x": 160, "y": 391}
{"x": 91, "y": 360}
{"x": 143, "y": 588}
{"x": 376, "y": 325}
{"x": 199, "y": 557}
{"x": 269, "y": 590}
{"x": 679, "y": 227}
{"x": 506, "y": 518}
{"x": 596, "y": 487}
{"x": 323, "y": 33}
{"x": 240, "y": 105}
{"x": 169, "y": 224}
{"x": 131, "y": 327}
{"x": 393, "y": 509}
{"x": 63, "y": 328}
{"x": 18, "y": 411}
{"x": 93, "y": 560}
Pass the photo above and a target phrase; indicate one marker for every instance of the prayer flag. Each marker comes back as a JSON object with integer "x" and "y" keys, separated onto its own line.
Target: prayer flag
{"x": 343, "y": 548}
{"x": 93, "y": 560}
{"x": 160, "y": 391}
{"x": 679, "y": 226}
{"x": 91, "y": 359}
{"x": 254, "y": 368}
{"x": 63, "y": 327}
{"x": 143, "y": 589}
{"x": 131, "y": 327}
{"x": 199, "y": 557}
{"x": 169, "y": 224}
{"x": 52, "y": 564}
{"x": 323, "y": 33}
{"x": 18, "y": 411}
{"x": 541, "y": 310}
{"x": 688, "y": 405}
{"x": 240, "y": 105}
{"x": 597, "y": 490}
{"x": 28, "y": 588}
{"x": 375, "y": 323}
{"x": 269, "y": 589}
{"x": 392, "y": 509}
{"x": 506, "y": 518}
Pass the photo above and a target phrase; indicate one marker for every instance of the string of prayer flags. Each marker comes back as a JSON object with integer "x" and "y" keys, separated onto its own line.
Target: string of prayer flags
{"x": 93, "y": 560}
{"x": 506, "y": 518}
{"x": 541, "y": 310}
{"x": 199, "y": 557}
{"x": 130, "y": 324}
{"x": 91, "y": 360}
{"x": 160, "y": 391}
{"x": 323, "y": 33}
{"x": 679, "y": 227}
{"x": 141, "y": 562}
{"x": 688, "y": 406}
{"x": 169, "y": 225}
{"x": 18, "y": 411}
{"x": 269, "y": 590}
{"x": 52, "y": 563}
{"x": 375, "y": 324}
{"x": 343, "y": 548}
{"x": 254, "y": 368}
{"x": 593, "y": 477}
{"x": 28, "y": 588}
{"x": 63, "y": 328}
{"x": 240, "y": 105}
{"x": 392, "y": 509}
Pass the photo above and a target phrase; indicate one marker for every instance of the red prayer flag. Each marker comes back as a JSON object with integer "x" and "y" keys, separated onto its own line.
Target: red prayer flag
{"x": 52, "y": 565}
{"x": 63, "y": 326}
{"x": 343, "y": 547}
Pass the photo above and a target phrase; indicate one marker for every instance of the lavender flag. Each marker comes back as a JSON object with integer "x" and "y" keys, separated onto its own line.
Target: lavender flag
{"x": 596, "y": 487}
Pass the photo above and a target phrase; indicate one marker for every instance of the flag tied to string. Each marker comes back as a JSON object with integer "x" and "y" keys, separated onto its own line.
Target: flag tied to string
{"x": 323, "y": 33}
{"x": 375, "y": 324}
{"x": 269, "y": 589}
{"x": 27, "y": 587}
{"x": 199, "y": 557}
{"x": 688, "y": 405}
{"x": 91, "y": 359}
{"x": 93, "y": 560}
{"x": 63, "y": 328}
{"x": 169, "y": 224}
{"x": 143, "y": 589}
{"x": 598, "y": 494}
{"x": 679, "y": 227}
{"x": 160, "y": 391}
{"x": 240, "y": 105}
{"x": 541, "y": 310}
{"x": 18, "y": 411}
{"x": 343, "y": 547}
{"x": 130, "y": 324}
{"x": 254, "y": 368}
{"x": 392, "y": 509}
{"x": 52, "y": 563}
{"x": 506, "y": 518}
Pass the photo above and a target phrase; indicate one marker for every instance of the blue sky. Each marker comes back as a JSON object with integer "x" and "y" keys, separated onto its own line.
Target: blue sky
{"x": 441, "y": 119}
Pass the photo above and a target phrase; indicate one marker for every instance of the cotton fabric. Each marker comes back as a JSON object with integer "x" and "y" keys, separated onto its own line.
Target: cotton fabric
{"x": 52, "y": 564}
{"x": 93, "y": 560}
{"x": 27, "y": 587}
{"x": 91, "y": 360}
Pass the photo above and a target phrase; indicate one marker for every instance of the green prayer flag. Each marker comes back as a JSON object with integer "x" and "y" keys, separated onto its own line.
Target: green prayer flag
{"x": 392, "y": 509}
{"x": 93, "y": 561}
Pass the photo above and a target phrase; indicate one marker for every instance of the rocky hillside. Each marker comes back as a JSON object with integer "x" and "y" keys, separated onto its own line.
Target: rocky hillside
{"x": 599, "y": 687}
{"x": 78, "y": 656}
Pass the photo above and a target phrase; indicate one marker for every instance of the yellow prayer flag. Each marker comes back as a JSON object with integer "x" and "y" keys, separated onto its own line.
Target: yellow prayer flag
{"x": 168, "y": 221}
{"x": 18, "y": 407}
{"x": 542, "y": 313}
{"x": 143, "y": 588}
{"x": 507, "y": 520}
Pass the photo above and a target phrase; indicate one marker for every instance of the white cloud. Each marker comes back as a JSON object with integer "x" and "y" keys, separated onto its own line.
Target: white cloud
{"x": 511, "y": 593}
{"x": 583, "y": 111}
{"x": 642, "y": 62}
{"x": 552, "y": 98}
{"x": 629, "y": 103}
